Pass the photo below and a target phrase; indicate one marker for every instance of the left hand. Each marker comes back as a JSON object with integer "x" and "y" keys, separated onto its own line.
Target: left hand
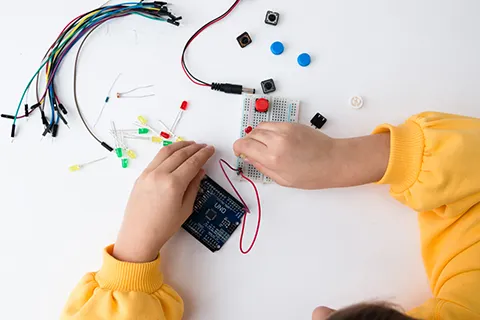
{"x": 161, "y": 201}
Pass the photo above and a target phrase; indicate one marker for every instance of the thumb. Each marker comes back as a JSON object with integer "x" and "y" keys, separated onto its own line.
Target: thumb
{"x": 192, "y": 190}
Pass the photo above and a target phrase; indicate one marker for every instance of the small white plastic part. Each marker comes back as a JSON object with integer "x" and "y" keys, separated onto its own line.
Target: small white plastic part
{"x": 356, "y": 102}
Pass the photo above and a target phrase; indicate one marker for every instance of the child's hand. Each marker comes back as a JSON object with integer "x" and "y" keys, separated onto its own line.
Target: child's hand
{"x": 161, "y": 200}
{"x": 298, "y": 156}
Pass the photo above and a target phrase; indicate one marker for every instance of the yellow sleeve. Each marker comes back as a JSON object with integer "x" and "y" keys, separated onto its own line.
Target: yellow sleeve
{"x": 122, "y": 290}
{"x": 434, "y": 168}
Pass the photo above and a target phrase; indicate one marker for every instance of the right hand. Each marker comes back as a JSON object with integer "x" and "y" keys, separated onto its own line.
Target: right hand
{"x": 298, "y": 156}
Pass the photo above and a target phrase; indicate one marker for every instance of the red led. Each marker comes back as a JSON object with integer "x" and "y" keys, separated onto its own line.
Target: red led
{"x": 262, "y": 105}
{"x": 248, "y": 129}
{"x": 165, "y": 135}
{"x": 184, "y": 105}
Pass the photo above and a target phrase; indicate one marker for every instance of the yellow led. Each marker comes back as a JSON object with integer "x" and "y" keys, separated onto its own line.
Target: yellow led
{"x": 131, "y": 154}
{"x": 180, "y": 139}
{"x": 142, "y": 120}
{"x": 75, "y": 168}
{"x": 157, "y": 139}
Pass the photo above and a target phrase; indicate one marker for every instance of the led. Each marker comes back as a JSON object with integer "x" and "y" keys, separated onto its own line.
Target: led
{"x": 183, "y": 107}
{"x": 157, "y": 139}
{"x": 75, "y": 168}
{"x": 165, "y": 135}
{"x": 124, "y": 163}
{"x": 143, "y": 131}
{"x": 180, "y": 139}
{"x": 142, "y": 120}
{"x": 119, "y": 152}
{"x": 78, "y": 167}
{"x": 131, "y": 154}
{"x": 167, "y": 143}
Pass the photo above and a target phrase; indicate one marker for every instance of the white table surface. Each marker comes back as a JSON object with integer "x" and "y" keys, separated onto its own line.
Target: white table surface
{"x": 332, "y": 247}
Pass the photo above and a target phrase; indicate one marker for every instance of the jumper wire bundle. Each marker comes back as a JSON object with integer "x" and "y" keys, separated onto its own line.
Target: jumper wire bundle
{"x": 78, "y": 28}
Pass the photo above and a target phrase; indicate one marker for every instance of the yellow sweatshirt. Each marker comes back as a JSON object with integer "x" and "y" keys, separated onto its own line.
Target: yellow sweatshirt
{"x": 434, "y": 168}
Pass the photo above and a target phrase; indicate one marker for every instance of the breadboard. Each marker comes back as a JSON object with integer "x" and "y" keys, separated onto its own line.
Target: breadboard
{"x": 280, "y": 110}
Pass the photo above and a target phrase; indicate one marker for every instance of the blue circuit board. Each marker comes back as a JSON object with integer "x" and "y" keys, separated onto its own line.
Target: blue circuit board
{"x": 216, "y": 215}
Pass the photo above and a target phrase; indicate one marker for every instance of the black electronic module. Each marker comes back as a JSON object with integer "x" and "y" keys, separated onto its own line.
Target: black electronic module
{"x": 216, "y": 215}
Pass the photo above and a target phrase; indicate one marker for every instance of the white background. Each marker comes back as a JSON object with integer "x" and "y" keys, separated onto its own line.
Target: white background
{"x": 332, "y": 247}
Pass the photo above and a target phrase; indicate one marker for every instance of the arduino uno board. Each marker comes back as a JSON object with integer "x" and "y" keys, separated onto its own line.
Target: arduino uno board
{"x": 216, "y": 215}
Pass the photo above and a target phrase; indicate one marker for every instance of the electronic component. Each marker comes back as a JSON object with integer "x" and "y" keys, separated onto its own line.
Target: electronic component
{"x": 143, "y": 123}
{"x": 222, "y": 87}
{"x": 124, "y": 163}
{"x": 107, "y": 99}
{"x": 272, "y": 18}
{"x": 356, "y": 102}
{"x": 165, "y": 135}
{"x": 318, "y": 121}
{"x": 133, "y": 131}
{"x": 248, "y": 129}
{"x": 127, "y": 94}
{"x": 183, "y": 108}
{"x": 231, "y": 88}
{"x": 268, "y": 86}
{"x": 244, "y": 39}
{"x": 304, "y": 60}
{"x": 277, "y": 48}
{"x": 166, "y": 143}
{"x": 77, "y": 32}
{"x": 280, "y": 110}
{"x": 216, "y": 215}
{"x": 261, "y": 105}
{"x": 153, "y": 139}
{"x": 78, "y": 167}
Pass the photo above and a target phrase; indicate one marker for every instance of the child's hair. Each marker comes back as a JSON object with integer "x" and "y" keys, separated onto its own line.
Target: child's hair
{"x": 369, "y": 311}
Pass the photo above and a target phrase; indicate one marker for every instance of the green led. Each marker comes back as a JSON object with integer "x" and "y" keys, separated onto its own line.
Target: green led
{"x": 119, "y": 152}
{"x": 143, "y": 131}
{"x": 167, "y": 143}
{"x": 124, "y": 163}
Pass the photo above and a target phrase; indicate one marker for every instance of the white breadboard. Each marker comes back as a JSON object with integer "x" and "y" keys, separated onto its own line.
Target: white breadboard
{"x": 280, "y": 110}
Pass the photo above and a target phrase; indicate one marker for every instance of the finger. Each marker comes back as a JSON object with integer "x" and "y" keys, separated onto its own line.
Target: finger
{"x": 274, "y": 126}
{"x": 250, "y": 148}
{"x": 190, "y": 168}
{"x": 264, "y": 136}
{"x": 179, "y": 157}
{"x": 166, "y": 152}
{"x": 192, "y": 191}
{"x": 268, "y": 172}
